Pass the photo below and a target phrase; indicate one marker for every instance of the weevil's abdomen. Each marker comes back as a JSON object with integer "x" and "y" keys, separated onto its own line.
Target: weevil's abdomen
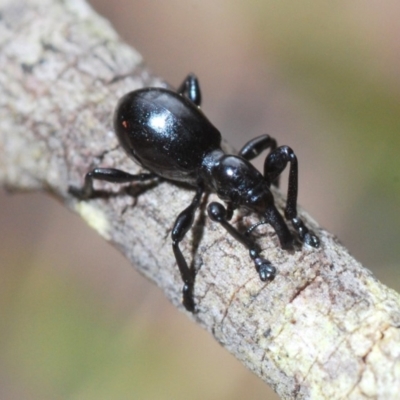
{"x": 165, "y": 133}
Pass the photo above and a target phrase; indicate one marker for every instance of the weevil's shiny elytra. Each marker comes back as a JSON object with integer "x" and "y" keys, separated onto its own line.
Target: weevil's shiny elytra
{"x": 166, "y": 133}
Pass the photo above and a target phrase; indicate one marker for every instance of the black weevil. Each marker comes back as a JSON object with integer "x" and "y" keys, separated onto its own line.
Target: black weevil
{"x": 166, "y": 133}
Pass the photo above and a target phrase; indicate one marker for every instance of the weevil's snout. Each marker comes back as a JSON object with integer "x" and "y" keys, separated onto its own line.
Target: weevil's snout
{"x": 273, "y": 217}
{"x": 259, "y": 198}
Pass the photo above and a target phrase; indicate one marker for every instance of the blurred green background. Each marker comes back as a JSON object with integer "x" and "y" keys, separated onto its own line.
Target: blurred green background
{"x": 77, "y": 322}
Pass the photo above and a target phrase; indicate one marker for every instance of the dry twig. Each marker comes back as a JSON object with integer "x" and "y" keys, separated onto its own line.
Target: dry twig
{"x": 325, "y": 328}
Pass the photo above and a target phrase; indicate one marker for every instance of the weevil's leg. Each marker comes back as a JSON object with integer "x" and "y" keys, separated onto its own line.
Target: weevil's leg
{"x": 217, "y": 212}
{"x": 182, "y": 224}
{"x": 229, "y": 210}
{"x": 274, "y": 164}
{"x": 256, "y": 146}
{"x": 191, "y": 89}
{"x": 275, "y": 219}
{"x": 108, "y": 175}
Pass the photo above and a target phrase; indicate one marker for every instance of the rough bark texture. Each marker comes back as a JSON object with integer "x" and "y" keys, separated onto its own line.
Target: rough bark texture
{"x": 325, "y": 328}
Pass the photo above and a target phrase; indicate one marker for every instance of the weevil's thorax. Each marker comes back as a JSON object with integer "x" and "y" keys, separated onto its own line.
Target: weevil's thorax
{"x": 236, "y": 180}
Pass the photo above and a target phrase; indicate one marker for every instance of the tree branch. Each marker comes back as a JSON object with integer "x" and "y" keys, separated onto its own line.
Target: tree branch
{"x": 324, "y": 328}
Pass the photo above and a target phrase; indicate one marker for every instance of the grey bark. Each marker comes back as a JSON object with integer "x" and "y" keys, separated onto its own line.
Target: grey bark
{"x": 325, "y": 328}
